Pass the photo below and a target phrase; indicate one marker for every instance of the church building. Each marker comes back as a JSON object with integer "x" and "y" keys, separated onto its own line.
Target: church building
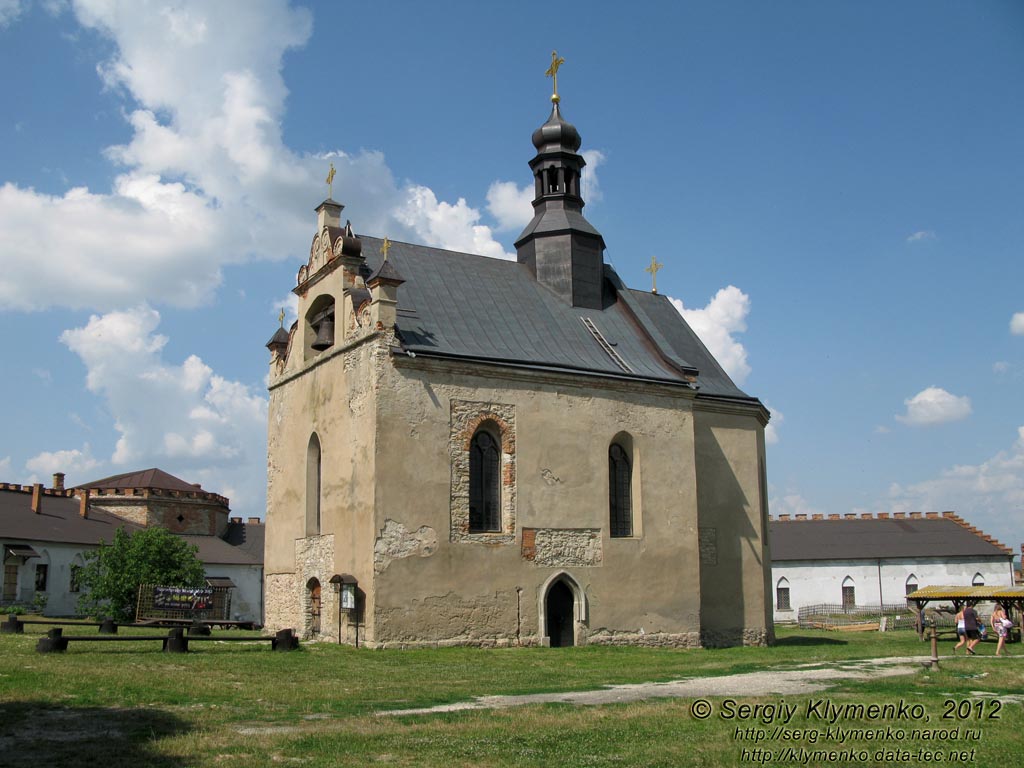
{"x": 471, "y": 451}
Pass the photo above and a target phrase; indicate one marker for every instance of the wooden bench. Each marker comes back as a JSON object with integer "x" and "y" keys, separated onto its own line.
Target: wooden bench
{"x": 16, "y": 626}
{"x": 175, "y": 641}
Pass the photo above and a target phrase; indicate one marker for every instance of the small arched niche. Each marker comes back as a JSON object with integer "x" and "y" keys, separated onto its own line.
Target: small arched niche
{"x": 318, "y": 326}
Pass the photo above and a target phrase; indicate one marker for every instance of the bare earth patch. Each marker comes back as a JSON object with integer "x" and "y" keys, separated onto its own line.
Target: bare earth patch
{"x": 805, "y": 679}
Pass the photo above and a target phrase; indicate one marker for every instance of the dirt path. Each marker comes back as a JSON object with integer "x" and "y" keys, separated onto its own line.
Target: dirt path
{"x": 803, "y": 679}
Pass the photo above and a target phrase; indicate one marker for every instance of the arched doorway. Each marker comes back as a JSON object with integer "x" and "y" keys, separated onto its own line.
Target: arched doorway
{"x": 560, "y": 615}
{"x": 314, "y": 606}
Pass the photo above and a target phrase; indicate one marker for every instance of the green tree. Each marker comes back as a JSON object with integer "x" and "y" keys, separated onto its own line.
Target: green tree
{"x": 112, "y": 573}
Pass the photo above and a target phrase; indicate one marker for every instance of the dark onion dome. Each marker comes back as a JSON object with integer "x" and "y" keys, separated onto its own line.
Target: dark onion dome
{"x": 556, "y": 134}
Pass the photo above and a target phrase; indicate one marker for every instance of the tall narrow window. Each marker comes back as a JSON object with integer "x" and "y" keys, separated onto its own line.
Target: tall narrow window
{"x": 41, "y": 573}
{"x": 313, "y": 486}
{"x": 484, "y": 483}
{"x": 620, "y": 481}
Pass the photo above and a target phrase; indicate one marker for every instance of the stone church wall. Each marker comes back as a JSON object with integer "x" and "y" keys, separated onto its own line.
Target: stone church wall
{"x": 489, "y": 588}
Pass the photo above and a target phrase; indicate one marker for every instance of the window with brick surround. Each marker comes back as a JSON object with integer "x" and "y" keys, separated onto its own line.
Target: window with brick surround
{"x": 484, "y": 483}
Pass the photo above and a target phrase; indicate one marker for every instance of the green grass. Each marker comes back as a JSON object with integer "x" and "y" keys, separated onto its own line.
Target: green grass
{"x": 120, "y": 704}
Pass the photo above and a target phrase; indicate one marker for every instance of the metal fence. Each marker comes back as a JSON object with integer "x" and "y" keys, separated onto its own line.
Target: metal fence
{"x": 866, "y": 617}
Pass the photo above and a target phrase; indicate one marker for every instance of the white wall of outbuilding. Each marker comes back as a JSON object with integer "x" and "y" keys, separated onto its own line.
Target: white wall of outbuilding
{"x": 814, "y": 582}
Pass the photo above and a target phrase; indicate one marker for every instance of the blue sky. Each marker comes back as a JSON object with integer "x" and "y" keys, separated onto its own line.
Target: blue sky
{"x": 835, "y": 190}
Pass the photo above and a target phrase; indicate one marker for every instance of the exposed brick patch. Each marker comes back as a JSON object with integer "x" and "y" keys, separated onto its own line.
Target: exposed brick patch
{"x": 529, "y": 543}
{"x": 466, "y": 418}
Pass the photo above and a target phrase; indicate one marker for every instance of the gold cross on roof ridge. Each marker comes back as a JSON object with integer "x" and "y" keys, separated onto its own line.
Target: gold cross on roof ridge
{"x": 330, "y": 182}
{"x": 385, "y": 247}
{"x": 552, "y": 72}
{"x": 653, "y": 270}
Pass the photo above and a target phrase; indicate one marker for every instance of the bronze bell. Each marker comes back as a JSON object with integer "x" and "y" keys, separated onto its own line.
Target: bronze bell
{"x": 324, "y": 335}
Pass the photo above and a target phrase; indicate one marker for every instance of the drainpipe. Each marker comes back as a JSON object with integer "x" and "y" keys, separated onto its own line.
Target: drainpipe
{"x": 881, "y": 604}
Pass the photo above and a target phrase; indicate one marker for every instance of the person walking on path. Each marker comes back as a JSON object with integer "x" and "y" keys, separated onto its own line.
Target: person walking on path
{"x": 1001, "y": 625}
{"x": 971, "y": 628}
{"x": 960, "y": 633}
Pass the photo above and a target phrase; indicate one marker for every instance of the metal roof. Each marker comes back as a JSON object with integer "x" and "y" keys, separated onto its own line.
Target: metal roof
{"x": 876, "y": 538}
{"x": 144, "y": 478}
{"x": 969, "y": 593}
{"x": 464, "y": 306}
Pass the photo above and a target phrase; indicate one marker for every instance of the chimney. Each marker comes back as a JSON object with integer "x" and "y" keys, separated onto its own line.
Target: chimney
{"x": 834, "y": 517}
{"x": 785, "y": 519}
{"x": 866, "y": 516}
{"x": 801, "y": 517}
{"x": 850, "y": 516}
{"x": 83, "y": 502}
{"x": 255, "y": 521}
{"x": 58, "y": 481}
{"x": 899, "y": 515}
{"x": 817, "y": 517}
{"x": 883, "y": 515}
{"x": 915, "y": 515}
{"x": 236, "y": 519}
{"x": 37, "y": 498}
{"x": 932, "y": 515}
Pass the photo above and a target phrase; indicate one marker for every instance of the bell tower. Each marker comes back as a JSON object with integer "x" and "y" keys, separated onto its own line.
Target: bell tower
{"x": 560, "y": 246}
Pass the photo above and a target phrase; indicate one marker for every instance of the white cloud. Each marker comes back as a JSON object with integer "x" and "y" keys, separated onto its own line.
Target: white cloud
{"x": 444, "y": 225}
{"x": 207, "y": 180}
{"x": 183, "y": 418}
{"x": 989, "y": 495}
{"x": 924, "y": 234}
{"x": 591, "y": 187}
{"x": 5, "y": 468}
{"x": 715, "y": 324}
{"x": 791, "y": 504}
{"x": 934, "y": 405}
{"x": 1017, "y": 324}
{"x": 510, "y": 205}
{"x": 771, "y": 432}
{"x": 9, "y": 11}
{"x": 71, "y": 462}
{"x": 1000, "y": 366}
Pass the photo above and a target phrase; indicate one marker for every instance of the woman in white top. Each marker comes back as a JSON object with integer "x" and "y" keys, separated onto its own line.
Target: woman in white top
{"x": 1001, "y": 625}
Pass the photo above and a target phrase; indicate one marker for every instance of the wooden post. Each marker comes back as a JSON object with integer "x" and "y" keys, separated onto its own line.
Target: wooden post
{"x": 935, "y": 647}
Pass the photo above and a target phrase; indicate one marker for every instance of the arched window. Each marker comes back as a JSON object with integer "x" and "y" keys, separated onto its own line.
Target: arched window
{"x": 978, "y": 581}
{"x": 484, "y": 483}
{"x": 782, "y": 595}
{"x": 911, "y": 584}
{"x": 849, "y": 593}
{"x": 620, "y": 482}
{"x": 313, "y": 486}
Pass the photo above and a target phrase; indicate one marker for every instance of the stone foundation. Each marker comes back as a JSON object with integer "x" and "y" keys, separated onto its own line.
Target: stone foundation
{"x": 730, "y": 638}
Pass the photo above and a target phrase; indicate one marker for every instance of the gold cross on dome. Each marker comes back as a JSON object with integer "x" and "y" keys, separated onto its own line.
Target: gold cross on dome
{"x": 330, "y": 182}
{"x": 653, "y": 270}
{"x": 552, "y": 72}
{"x": 385, "y": 247}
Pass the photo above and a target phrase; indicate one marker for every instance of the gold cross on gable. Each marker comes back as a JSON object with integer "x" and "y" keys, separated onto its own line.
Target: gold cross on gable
{"x": 653, "y": 270}
{"x": 330, "y": 182}
{"x": 385, "y": 247}
{"x": 280, "y": 317}
{"x": 552, "y": 72}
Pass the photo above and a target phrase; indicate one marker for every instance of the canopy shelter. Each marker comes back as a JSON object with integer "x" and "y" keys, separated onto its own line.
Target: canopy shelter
{"x": 1009, "y": 598}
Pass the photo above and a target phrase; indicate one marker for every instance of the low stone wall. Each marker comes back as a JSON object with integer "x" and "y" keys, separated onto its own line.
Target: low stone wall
{"x": 730, "y": 638}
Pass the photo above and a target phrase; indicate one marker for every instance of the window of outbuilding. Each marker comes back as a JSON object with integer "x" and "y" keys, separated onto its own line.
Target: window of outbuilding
{"x": 75, "y": 580}
{"x": 620, "y": 481}
{"x": 978, "y": 581}
{"x": 484, "y": 483}
{"x": 849, "y": 593}
{"x": 911, "y": 584}
{"x": 782, "y": 595}
{"x": 42, "y": 571}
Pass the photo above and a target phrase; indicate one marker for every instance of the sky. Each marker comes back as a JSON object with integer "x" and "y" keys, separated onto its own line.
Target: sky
{"x": 835, "y": 190}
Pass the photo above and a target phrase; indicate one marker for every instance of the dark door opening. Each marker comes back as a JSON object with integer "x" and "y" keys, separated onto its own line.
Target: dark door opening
{"x": 559, "y": 611}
